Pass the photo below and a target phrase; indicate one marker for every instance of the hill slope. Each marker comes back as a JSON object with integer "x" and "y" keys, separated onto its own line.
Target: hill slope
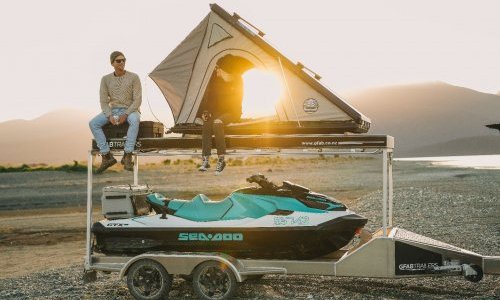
{"x": 56, "y": 137}
{"x": 432, "y": 118}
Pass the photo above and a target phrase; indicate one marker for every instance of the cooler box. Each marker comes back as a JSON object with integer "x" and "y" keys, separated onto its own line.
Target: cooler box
{"x": 125, "y": 201}
{"x": 147, "y": 129}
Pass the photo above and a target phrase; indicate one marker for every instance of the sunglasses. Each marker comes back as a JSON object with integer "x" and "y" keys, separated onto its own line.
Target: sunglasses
{"x": 120, "y": 60}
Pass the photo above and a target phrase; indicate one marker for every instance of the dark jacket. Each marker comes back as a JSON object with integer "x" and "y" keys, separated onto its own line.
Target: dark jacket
{"x": 223, "y": 98}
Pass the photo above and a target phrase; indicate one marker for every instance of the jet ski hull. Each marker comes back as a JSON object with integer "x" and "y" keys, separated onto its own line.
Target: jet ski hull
{"x": 287, "y": 242}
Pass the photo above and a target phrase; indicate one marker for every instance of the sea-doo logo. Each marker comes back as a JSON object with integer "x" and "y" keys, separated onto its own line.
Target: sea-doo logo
{"x": 311, "y": 105}
{"x": 209, "y": 237}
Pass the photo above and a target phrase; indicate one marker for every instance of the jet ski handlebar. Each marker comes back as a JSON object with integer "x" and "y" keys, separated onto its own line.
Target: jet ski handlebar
{"x": 262, "y": 181}
{"x": 268, "y": 185}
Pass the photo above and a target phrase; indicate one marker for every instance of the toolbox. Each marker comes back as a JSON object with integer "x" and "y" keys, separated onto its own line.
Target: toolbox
{"x": 125, "y": 201}
{"x": 147, "y": 129}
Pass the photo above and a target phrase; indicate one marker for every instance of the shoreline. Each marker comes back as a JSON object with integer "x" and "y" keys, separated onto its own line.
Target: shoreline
{"x": 480, "y": 162}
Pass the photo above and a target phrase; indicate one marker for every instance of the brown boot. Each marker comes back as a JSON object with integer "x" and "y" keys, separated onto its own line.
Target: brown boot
{"x": 127, "y": 162}
{"x": 107, "y": 161}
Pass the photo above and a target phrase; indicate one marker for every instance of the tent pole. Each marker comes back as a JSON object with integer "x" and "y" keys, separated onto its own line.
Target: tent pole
{"x": 288, "y": 91}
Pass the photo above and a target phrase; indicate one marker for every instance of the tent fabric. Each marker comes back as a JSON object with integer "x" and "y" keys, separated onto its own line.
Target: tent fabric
{"x": 172, "y": 75}
{"x": 184, "y": 75}
{"x": 218, "y": 34}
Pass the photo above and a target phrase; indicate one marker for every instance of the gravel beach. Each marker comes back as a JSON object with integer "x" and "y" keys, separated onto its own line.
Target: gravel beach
{"x": 42, "y": 248}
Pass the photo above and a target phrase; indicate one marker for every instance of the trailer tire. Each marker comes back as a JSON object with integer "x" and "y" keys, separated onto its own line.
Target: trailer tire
{"x": 214, "y": 280}
{"x": 148, "y": 280}
{"x": 478, "y": 276}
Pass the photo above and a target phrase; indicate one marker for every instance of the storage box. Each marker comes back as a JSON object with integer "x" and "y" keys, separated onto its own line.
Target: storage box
{"x": 125, "y": 201}
{"x": 147, "y": 129}
{"x": 150, "y": 129}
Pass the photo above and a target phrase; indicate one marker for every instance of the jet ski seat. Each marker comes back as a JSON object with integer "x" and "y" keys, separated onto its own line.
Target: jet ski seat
{"x": 236, "y": 206}
{"x": 200, "y": 208}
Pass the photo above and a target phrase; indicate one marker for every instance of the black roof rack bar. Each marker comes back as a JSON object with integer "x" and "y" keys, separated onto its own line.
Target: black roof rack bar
{"x": 264, "y": 141}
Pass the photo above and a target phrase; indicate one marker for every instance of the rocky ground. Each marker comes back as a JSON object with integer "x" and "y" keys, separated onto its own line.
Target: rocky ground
{"x": 41, "y": 250}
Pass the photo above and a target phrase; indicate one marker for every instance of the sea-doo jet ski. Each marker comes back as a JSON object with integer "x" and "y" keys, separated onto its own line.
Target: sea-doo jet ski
{"x": 269, "y": 221}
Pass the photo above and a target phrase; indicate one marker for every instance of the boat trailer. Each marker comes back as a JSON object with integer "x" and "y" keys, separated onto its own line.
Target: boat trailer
{"x": 391, "y": 252}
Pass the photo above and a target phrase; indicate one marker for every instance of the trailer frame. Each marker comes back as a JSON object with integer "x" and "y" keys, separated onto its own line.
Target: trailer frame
{"x": 400, "y": 253}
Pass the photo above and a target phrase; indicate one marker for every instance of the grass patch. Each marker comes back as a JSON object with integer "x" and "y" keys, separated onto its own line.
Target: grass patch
{"x": 75, "y": 167}
{"x": 236, "y": 161}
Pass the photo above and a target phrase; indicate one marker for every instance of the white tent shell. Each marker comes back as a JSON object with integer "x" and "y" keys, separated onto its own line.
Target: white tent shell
{"x": 184, "y": 75}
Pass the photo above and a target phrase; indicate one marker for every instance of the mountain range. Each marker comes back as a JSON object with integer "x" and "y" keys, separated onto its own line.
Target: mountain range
{"x": 432, "y": 119}
{"x": 428, "y": 119}
{"x": 57, "y": 137}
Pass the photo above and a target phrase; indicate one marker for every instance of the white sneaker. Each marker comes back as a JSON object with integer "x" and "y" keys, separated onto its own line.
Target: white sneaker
{"x": 205, "y": 164}
{"x": 221, "y": 164}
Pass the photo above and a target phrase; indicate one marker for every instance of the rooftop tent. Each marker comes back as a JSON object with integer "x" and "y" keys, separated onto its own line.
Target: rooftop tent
{"x": 227, "y": 41}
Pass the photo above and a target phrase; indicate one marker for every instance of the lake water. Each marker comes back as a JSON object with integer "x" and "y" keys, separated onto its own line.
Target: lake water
{"x": 469, "y": 161}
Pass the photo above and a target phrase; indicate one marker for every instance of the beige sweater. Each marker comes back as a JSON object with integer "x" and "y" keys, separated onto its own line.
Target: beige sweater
{"x": 120, "y": 92}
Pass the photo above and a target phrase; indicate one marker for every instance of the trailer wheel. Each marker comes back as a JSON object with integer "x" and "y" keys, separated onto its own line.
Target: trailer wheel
{"x": 214, "y": 280}
{"x": 148, "y": 280}
{"x": 477, "y": 277}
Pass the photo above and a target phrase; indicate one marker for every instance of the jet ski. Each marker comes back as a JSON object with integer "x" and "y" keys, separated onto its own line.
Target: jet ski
{"x": 265, "y": 221}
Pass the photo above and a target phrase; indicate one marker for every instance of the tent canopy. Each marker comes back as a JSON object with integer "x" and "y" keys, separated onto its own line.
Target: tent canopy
{"x": 224, "y": 41}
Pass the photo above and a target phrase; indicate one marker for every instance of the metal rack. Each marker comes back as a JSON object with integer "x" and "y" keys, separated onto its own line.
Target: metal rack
{"x": 247, "y": 145}
{"x": 391, "y": 252}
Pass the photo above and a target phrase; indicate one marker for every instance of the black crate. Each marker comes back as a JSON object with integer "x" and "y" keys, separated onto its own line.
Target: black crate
{"x": 150, "y": 129}
{"x": 147, "y": 129}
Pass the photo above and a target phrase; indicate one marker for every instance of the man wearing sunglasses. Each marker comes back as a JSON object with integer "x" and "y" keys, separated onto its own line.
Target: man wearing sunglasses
{"x": 120, "y": 97}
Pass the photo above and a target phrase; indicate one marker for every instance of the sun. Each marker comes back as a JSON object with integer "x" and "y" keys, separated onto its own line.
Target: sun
{"x": 261, "y": 92}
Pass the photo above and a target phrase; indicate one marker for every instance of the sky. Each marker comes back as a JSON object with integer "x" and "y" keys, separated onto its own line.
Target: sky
{"x": 54, "y": 52}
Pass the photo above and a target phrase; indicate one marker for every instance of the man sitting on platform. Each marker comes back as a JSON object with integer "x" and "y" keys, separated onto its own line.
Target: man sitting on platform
{"x": 120, "y": 98}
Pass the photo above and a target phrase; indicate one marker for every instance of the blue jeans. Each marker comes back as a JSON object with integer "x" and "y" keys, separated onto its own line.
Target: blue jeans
{"x": 96, "y": 124}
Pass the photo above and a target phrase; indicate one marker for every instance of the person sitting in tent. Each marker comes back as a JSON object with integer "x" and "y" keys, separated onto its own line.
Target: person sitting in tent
{"x": 221, "y": 104}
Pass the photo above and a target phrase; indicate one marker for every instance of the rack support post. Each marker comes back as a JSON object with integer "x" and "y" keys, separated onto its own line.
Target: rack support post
{"x": 390, "y": 191}
{"x": 136, "y": 169}
{"x": 384, "y": 191}
{"x": 88, "y": 255}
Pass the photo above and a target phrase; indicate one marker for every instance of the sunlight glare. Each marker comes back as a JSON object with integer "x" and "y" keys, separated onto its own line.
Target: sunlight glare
{"x": 261, "y": 93}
